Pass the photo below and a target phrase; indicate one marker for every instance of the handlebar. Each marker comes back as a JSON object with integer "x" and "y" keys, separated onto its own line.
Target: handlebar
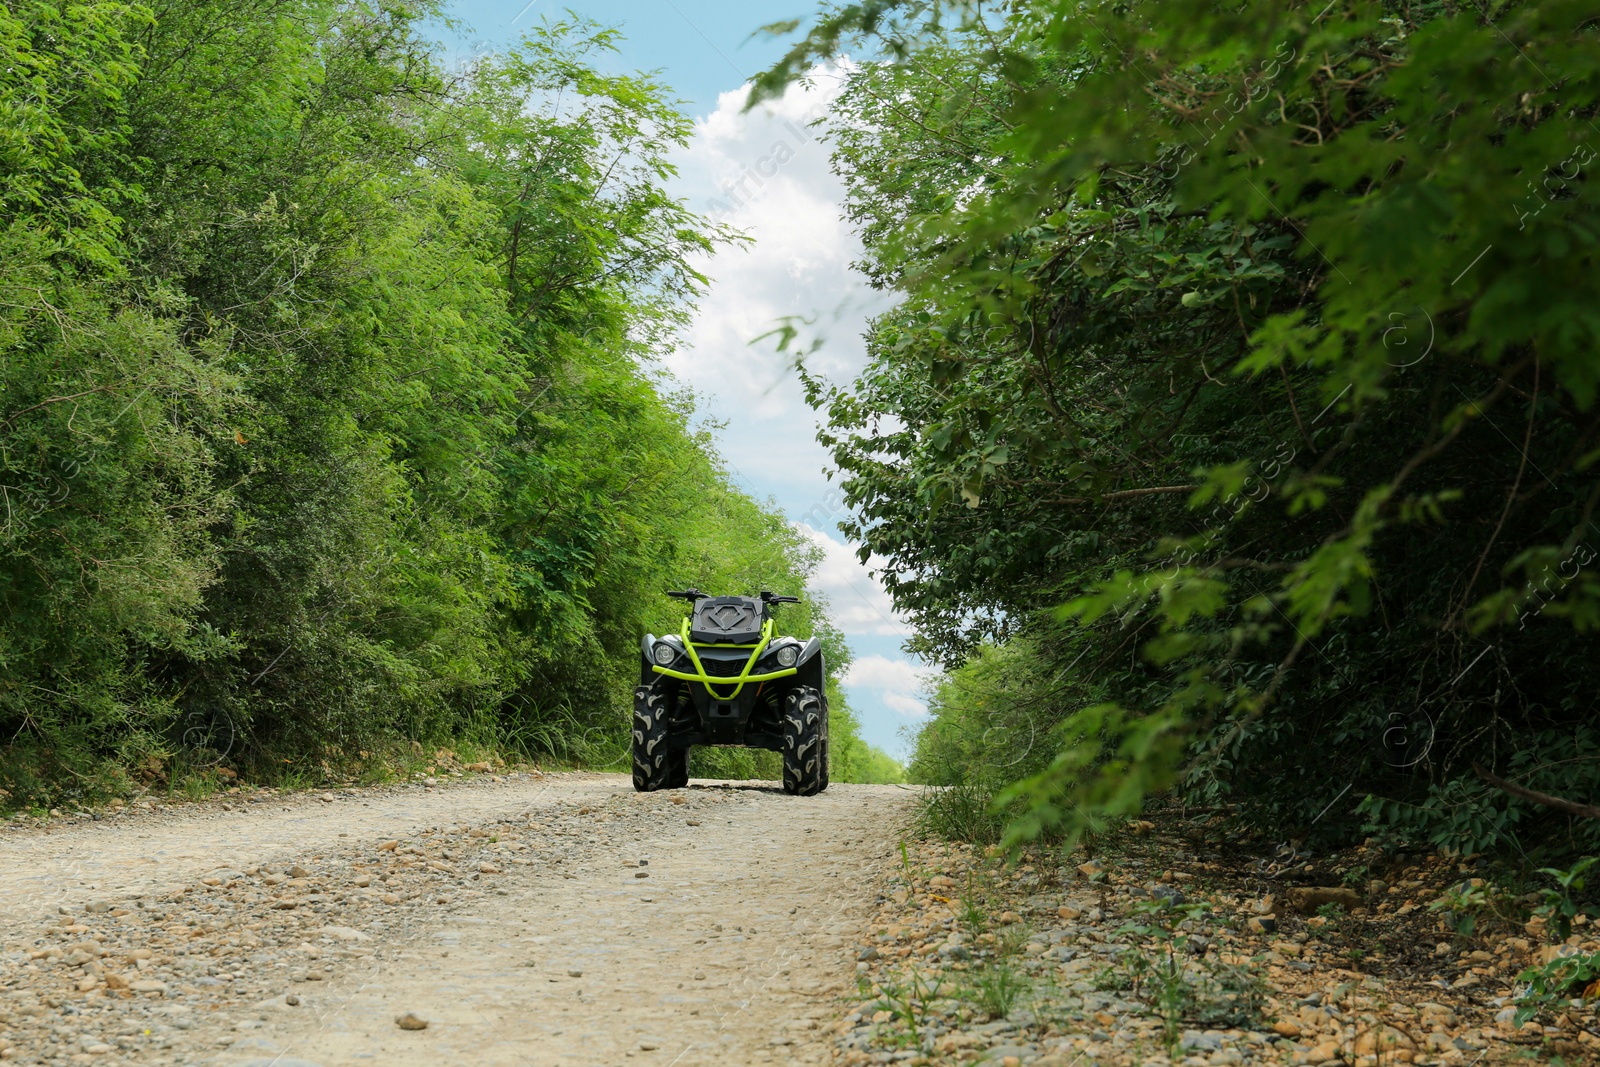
{"x": 691, "y": 594}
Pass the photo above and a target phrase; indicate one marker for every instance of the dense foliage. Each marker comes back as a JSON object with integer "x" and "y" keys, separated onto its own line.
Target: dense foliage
{"x": 1243, "y": 392}
{"x": 328, "y": 416}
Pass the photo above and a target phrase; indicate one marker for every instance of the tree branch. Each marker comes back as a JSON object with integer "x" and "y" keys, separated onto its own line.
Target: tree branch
{"x": 1571, "y": 807}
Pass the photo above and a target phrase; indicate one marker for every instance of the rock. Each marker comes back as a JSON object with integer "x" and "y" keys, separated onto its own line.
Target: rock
{"x": 388, "y": 846}
{"x": 489, "y": 868}
{"x": 1326, "y": 1052}
{"x": 410, "y": 1021}
{"x": 1307, "y": 899}
{"x": 326, "y": 798}
{"x": 115, "y": 981}
{"x": 481, "y": 767}
{"x": 345, "y": 933}
{"x": 1092, "y": 870}
{"x": 148, "y": 985}
{"x": 1193, "y": 1040}
{"x": 1262, "y": 924}
{"x": 298, "y": 871}
{"x": 574, "y": 974}
{"x": 292, "y": 1000}
{"x": 1286, "y": 1027}
{"x": 1009, "y": 917}
{"x": 1168, "y": 895}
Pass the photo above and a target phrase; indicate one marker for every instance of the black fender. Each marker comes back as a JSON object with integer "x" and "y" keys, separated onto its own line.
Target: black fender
{"x": 647, "y": 646}
{"x": 810, "y": 668}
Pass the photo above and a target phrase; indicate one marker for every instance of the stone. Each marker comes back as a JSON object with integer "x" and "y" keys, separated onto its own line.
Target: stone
{"x": 292, "y": 1000}
{"x": 1286, "y": 1027}
{"x": 148, "y": 985}
{"x": 345, "y": 933}
{"x": 574, "y": 974}
{"x": 411, "y": 1021}
{"x": 1262, "y": 924}
{"x": 298, "y": 871}
{"x": 1307, "y": 899}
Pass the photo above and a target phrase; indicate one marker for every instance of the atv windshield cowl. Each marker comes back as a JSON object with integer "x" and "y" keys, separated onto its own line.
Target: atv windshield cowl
{"x": 730, "y": 620}
{"x": 739, "y": 681}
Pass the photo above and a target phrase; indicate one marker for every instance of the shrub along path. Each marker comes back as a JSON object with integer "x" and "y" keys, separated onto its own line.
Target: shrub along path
{"x": 1162, "y": 949}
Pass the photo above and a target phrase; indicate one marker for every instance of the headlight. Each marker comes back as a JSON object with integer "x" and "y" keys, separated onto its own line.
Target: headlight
{"x": 787, "y": 655}
{"x": 664, "y": 654}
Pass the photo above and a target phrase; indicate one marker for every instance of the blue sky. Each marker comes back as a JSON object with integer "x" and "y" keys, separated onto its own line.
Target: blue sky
{"x": 702, "y": 47}
{"x": 798, "y": 264}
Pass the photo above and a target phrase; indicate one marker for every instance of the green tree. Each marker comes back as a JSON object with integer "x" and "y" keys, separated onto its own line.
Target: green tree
{"x": 329, "y": 409}
{"x": 1261, "y": 339}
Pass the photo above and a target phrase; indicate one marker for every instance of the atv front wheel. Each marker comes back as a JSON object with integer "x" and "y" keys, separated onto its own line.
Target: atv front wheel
{"x": 805, "y": 766}
{"x": 656, "y": 764}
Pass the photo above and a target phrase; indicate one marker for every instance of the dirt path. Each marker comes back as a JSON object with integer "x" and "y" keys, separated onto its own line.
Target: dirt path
{"x": 563, "y": 920}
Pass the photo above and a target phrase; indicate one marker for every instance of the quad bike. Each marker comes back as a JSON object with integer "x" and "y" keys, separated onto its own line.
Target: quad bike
{"x": 724, "y": 679}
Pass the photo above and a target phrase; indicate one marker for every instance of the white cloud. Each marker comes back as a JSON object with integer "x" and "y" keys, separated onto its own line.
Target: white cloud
{"x": 910, "y": 707}
{"x": 858, "y": 603}
{"x": 881, "y": 672}
{"x": 767, "y": 173}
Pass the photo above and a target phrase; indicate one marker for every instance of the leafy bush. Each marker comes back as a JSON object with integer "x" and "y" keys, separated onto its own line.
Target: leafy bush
{"x": 330, "y": 409}
{"x": 1255, "y": 346}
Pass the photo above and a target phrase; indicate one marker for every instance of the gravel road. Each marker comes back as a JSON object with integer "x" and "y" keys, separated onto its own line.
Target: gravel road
{"x": 526, "y": 921}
